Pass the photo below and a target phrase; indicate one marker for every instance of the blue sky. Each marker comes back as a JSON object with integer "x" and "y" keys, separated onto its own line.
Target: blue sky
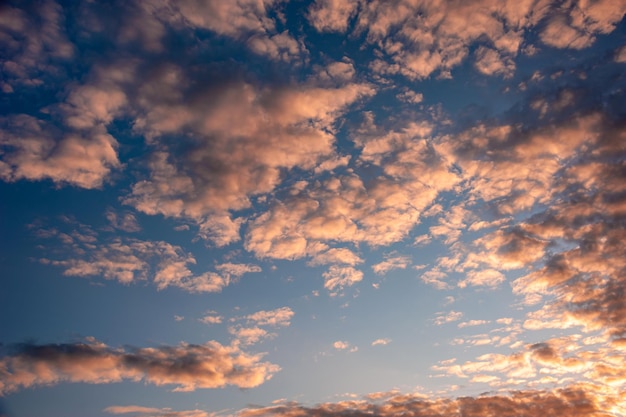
{"x": 287, "y": 208}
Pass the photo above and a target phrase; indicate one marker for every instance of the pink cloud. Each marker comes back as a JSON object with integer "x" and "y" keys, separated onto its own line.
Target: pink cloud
{"x": 186, "y": 367}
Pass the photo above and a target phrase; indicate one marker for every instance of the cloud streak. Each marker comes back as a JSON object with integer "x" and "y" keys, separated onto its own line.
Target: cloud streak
{"x": 185, "y": 367}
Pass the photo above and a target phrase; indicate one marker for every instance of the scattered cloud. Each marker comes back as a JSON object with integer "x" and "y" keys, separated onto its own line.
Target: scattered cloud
{"x": 472, "y": 323}
{"x": 129, "y": 260}
{"x": 278, "y": 317}
{"x": 211, "y": 318}
{"x": 443, "y": 318}
{"x": 390, "y": 263}
{"x": 568, "y": 402}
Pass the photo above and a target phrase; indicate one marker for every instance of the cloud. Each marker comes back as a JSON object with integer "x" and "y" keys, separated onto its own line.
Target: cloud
{"x": 129, "y": 260}
{"x": 576, "y": 25}
{"x": 390, "y": 263}
{"x": 278, "y": 317}
{"x": 347, "y": 210}
{"x": 338, "y": 71}
{"x": 382, "y": 342}
{"x": 342, "y": 345}
{"x": 280, "y": 46}
{"x": 567, "y": 402}
{"x": 249, "y": 335}
{"x": 482, "y": 278}
{"x": 140, "y": 411}
{"x": 491, "y": 62}
{"x": 36, "y": 150}
{"x": 620, "y": 55}
{"x": 34, "y": 43}
{"x": 337, "y": 278}
{"x": 332, "y": 15}
{"x": 126, "y": 222}
{"x": 447, "y": 318}
{"x": 418, "y": 39}
{"x": 435, "y": 278}
{"x": 409, "y": 96}
{"x": 335, "y": 256}
{"x": 243, "y": 138}
{"x": 186, "y": 367}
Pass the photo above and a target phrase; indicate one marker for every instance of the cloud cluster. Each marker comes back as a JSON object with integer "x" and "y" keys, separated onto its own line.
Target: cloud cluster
{"x": 35, "y": 150}
{"x": 418, "y": 38}
{"x": 253, "y": 332}
{"x": 242, "y": 138}
{"x": 33, "y": 43}
{"x": 128, "y": 260}
{"x": 186, "y": 367}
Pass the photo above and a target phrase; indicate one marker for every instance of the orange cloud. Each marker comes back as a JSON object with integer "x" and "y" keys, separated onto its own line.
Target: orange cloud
{"x": 186, "y": 367}
{"x": 568, "y": 402}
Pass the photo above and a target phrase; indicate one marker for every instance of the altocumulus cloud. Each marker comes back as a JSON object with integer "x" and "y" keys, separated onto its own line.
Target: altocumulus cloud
{"x": 535, "y": 196}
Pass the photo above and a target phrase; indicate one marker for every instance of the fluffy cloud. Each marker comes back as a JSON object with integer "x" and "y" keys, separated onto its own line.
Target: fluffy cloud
{"x": 347, "y": 209}
{"x": 576, "y": 24}
{"x": 211, "y": 318}
{"x": 186, "y": 367}
{"x": 249, "y": 335}
{"x": 337, "y": 278}
{"x": 35, "y": 150}
{"x": 332, "y": 15}
{"x": 419, "y": 39}
{"x": 126, "y": 222}
{"x": 243, "y": 138}
{"x": 34, "y": 43}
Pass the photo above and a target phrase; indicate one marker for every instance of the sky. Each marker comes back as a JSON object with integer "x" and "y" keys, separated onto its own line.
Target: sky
{"x": 332, "y": 208}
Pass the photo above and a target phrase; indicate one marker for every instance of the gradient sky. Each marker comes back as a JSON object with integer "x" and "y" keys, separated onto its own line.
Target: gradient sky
{"x": 273, "y": 208}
